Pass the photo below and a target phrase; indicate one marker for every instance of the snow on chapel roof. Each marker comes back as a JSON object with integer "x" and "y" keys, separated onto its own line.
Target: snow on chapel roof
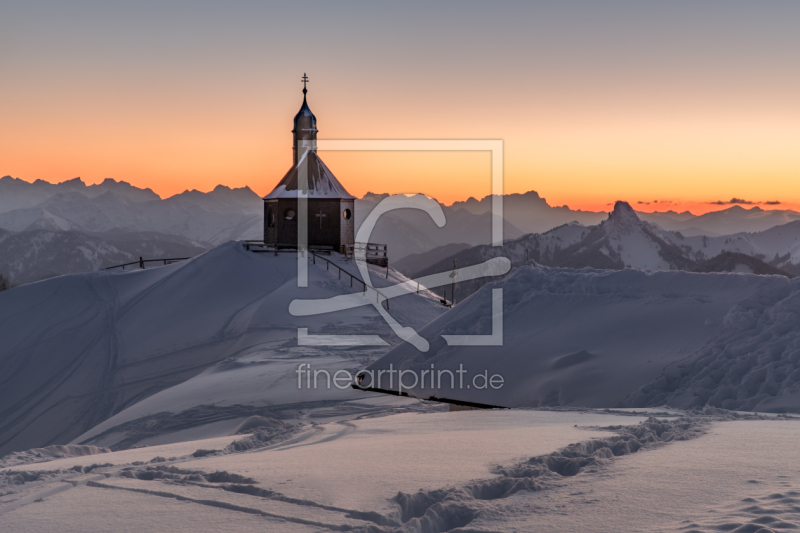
{"x": 321, "y": 182}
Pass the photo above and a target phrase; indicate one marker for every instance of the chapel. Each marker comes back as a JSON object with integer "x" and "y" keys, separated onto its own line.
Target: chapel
{"x": 330, "y": 211}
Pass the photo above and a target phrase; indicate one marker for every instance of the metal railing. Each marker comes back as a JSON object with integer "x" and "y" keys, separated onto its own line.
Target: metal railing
{"x": 141, "y": 262}
{"x": 261, "y": 246}
{"x": 374, "y": 253}
{"x": 328, "y": 263}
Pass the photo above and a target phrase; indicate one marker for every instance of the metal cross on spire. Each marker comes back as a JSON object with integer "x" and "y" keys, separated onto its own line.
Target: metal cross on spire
{"x": 304, "y": 80}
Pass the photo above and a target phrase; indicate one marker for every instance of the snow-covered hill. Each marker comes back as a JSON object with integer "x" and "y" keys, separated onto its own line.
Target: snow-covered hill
{"x": 604, "y": 338}
{"x": 80, "y": 348}
{"x": 39, "y": 254}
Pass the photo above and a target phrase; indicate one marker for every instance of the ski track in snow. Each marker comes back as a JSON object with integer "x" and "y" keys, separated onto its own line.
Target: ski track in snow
{"x": 452, "y": 508}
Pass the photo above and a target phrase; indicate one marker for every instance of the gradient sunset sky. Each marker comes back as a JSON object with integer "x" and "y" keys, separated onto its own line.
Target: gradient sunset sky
{"x": 681, "y": 102}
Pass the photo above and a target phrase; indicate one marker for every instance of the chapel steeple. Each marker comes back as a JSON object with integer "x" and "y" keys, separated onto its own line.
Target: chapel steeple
{"x": 305, "y": 128}
{"x": 330, "y": 223}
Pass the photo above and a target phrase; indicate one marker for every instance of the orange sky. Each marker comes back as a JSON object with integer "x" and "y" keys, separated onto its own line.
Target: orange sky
{"x": 586, "y": 166}
{"x": 682, "y": 106}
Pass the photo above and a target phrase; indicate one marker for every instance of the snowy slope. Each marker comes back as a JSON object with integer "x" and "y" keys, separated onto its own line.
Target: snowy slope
{"x": 80, "y": 348}
{"x": 593, "y": 338}
{"x": 40, "y": 254}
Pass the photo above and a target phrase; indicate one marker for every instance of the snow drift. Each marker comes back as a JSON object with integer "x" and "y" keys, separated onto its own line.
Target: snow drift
{"x": 607, "y": 338}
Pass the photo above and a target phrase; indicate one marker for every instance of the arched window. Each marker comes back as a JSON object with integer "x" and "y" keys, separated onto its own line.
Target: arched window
{"x": 347, "y": 214}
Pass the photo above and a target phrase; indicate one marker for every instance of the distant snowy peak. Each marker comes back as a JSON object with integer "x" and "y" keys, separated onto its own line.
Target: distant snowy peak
{"x": 214, "y": 217}
{"x": 728, "y": 221}
{"x": 530, "y": 199}
{"x": 622, "y": 219}
{"x": 641, "y": 244}
{"x": 375, "y": 197}
{"x": 620, "y": 241}
{"x": 626, "y": 241}
{"x": 122, "y": 188}
{"x": 243, "y": 192}
{"x": 223, "y": 199}
{"x": 16, "y": 193}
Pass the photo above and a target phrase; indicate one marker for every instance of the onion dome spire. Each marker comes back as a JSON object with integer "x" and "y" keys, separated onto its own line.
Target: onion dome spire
{"x": 305, "y": 128}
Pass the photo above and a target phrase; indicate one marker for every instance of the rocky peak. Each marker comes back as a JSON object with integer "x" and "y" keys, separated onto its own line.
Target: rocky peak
{"x": 623, "y": 218}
